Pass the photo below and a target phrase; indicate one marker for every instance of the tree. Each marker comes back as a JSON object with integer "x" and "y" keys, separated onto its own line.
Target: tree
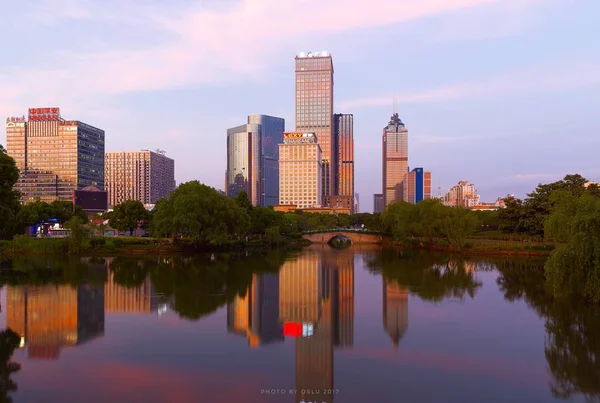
{"x": 199, "y": 212}
{"x": 243, "y": 201}
{"x": 511, "y": 216}
{"x": 398, "y": 220}
{"x": 428, "y": 219}
{"x": 459, "y": 224}
{"x": 538, "y": 204}
{"x": 128, "y": 215}
{"x": 574, "y": 267}
{"x": 9, "y": 199}
{"x": 9, "y": 342}
{"x": 79, "y": 233}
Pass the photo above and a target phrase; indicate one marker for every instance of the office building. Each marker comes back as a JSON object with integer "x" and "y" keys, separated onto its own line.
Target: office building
{"x": 271, "y": 135}
{"x": 300, "y": 171}
{"x": 338, "y": 202}
{"x": 416, "y": 186}
{"x": 49, "y": 318}
{"x": 253, "y": 159}
{"x": 314, "y": 108}
{"x": 377, "y": 203}
{"x": 395, "y": 159}
{"x": 256, "y": 314}
{"x": 395, "y": 311}
{"x": 145, "y": 176}
{"x": 55, "y": 156}
{"x": 462, "y": 194}
{"x": 356, "y": 203}
{"x": 343, "y": 146}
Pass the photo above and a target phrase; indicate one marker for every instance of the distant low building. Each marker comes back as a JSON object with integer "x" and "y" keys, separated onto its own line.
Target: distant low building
{"x": 416, "y": 186}
{"x": 92, "y": 200}
{"x": 463, "y": 194}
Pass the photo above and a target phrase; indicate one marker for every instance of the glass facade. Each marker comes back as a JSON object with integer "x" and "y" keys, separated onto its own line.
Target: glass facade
{"x": 71, "y": 150}
{"x": 271, "y": 133}
{"x": 314, "y": 108}
{"x": 344, "y": 157}
{"x": 377, "y": 203}
{"x": 395, "y": 159}
{"x": 243, "y": 161}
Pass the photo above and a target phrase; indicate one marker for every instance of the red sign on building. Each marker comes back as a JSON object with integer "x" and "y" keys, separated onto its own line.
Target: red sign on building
{"x": 292, "y": 329}
{"x": 44, "y": 114}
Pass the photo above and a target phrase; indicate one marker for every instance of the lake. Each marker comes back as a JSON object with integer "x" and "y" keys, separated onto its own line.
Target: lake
{"x": 320, "y": 325}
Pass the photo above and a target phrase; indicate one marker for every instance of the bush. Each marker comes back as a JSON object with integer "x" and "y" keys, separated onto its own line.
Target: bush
{"x": 96, "y": 242}
{"x": 118, "y": 243}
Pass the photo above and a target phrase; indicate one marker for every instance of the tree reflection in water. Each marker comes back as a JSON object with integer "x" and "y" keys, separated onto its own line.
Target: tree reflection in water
{"x": 9, "y": 341}
{"x": 432, "y": 277}
{"x": 572, "y": 344}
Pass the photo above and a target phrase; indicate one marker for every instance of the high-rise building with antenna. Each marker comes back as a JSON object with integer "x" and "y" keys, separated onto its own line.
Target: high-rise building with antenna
{"x": 395, "y": 159}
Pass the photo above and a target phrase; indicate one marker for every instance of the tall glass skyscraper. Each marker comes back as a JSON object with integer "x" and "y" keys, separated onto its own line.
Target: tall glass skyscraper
{"x": 343, "y": 136}
{"x": 395, "y": 159}
{"x": 314, "y": 108}
{"x": 271, "y": 133}
{"x": 253, "y": 159}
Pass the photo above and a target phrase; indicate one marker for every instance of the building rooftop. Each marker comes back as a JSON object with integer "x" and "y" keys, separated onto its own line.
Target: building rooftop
{"x": 303, "y": 55}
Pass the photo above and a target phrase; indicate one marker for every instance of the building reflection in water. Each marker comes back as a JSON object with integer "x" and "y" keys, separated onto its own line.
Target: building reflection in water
{"x": 51, "y": 317}
{"x": 256, "y": 315}
{"x": 121, "y": 299}
{"x": 318, "y": 289}
{"x": 395, "y": 310}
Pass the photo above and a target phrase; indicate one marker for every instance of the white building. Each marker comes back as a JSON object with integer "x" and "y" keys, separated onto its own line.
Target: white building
{"x": 463, "y": 194}
{"x": 300, "y": 171}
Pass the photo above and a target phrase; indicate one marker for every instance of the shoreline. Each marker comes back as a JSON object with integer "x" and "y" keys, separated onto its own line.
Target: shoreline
{"x": 507, "y": 252}
{"x": 167, "y": 248}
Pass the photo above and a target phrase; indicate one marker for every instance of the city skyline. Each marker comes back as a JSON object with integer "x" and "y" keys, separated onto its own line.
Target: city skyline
{"x": 489, "y": 95}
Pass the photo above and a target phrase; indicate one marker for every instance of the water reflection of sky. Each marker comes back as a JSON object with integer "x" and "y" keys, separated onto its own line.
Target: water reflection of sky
{"x": 481, "y": 349}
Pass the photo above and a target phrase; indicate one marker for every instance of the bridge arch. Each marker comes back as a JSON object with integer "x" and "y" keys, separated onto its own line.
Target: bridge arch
{"x": 355, "y": 237}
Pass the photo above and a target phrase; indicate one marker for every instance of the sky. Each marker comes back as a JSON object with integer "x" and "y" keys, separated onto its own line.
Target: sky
{"x": 502, "y": 93}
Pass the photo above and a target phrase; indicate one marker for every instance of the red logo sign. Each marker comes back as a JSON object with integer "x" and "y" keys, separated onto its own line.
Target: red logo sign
{"x": 292, "y": 329}
{"x": 44, "y": 114}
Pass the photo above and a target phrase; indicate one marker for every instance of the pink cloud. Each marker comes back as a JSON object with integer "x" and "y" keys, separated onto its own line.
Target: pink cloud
{"x": 203, "y": 45}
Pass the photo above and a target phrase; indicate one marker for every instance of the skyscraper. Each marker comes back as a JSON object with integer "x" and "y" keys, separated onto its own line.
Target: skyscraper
{"x": 300, "y": 171}
{"x": 145, "y": 176}
{"x": 344, "y": 159}
{"x": 252, "y": 159}
{"x": 55, "y": 156}
{"x": 395, "y": 159}
{"x": 243, "y": 161}
{"x": 271, "y": 134}
{"x": 416, "y": 186}
{"x": 314, "y": 108}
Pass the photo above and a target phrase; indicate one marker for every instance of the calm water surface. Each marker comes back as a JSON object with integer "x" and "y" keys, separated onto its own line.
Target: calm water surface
{"x": 375, "y": 326}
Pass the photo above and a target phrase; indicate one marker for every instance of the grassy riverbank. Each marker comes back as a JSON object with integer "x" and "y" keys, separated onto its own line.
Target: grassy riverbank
{"x": 117, "y": 246}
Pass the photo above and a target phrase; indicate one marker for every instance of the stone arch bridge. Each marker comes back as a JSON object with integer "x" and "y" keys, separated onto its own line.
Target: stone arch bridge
{"x": 355, "y": 237}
